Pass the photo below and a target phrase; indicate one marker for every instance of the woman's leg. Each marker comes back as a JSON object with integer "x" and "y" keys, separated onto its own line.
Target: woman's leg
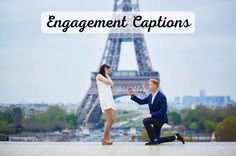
{"x": 109, "y": 120}
{"x": 113, "y": 117}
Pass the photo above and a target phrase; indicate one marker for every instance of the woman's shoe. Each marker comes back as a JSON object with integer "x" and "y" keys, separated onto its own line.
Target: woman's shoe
{"x": 106, "y": 142}
{"x": 109, "y": 140}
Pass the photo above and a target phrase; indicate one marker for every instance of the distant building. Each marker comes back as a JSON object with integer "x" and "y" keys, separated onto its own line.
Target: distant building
{"x": 202, "y": 99}
{"x": 177, "y": 100}
{"x": 30, "y": 108}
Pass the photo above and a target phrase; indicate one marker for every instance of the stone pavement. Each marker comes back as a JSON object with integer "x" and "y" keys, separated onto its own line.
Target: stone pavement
{"x": 117, "y": 149}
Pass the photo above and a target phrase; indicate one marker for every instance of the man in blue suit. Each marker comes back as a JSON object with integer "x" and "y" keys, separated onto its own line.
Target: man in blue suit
{"x": 157, "y": 103}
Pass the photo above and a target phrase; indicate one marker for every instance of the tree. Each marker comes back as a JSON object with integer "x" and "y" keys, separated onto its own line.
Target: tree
{"x": 226, "y": 129}
{"x": 195, "y": 118}
{"x": 194, "y": 126}
{"x": 18, "y": 116}
{"x": 209, "y": 125}
{"x": 54, "y": 119}
{"x": 11, "y": 120}
{"x": 144, "y": 135}
{"x": 4, "y": 127}
{"x": 72, "y": 120}
{"x": 175, "y": 118}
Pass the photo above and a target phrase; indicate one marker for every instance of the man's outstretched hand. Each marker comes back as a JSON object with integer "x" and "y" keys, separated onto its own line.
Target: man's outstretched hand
{"x": 130, "y": 91}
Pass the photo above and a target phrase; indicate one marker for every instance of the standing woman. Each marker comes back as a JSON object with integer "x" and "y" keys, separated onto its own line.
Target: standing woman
{"x": 106, "y": 100}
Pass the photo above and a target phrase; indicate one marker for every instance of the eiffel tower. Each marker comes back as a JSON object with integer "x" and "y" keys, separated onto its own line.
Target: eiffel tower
{"x": 89, "y": 112}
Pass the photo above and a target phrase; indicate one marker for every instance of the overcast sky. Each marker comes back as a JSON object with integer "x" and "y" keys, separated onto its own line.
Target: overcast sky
{"x": 37, "y": 67}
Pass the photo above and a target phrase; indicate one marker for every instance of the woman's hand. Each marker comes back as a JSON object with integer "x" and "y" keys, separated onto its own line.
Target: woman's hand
{"x": 108, "y": 77}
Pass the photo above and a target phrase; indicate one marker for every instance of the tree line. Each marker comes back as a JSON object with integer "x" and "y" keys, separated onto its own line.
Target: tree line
{"x": 201, "y": 119}
{"x": 15, "y": 120}
{"x": 221, "y": 120}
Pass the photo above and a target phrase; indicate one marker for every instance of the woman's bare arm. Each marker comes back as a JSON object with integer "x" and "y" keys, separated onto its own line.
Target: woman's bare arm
{"x": 110, "y": 79}
{"x": 105, "y": 80}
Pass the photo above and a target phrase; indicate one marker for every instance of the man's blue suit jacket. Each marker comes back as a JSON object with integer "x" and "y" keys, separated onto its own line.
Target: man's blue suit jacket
{"x": 159, "y": 107}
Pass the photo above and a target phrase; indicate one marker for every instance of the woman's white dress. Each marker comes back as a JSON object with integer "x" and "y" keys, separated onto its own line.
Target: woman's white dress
{"x": 105, "y": 95}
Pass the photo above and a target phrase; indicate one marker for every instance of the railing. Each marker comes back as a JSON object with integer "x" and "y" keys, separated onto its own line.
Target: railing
{"x": 131, "y": 73}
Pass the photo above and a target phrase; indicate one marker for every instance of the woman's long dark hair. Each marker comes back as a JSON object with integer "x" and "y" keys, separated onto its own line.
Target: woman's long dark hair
{"x": 102, "y": 69}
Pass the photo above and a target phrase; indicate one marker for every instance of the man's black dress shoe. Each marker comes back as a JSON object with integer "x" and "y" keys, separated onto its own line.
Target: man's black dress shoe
{"x": 151, "y": 143}
{"x": 180, "y": 138}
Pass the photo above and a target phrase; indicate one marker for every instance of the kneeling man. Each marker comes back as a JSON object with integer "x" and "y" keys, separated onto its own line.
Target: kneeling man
{"x": 157, "y": 103}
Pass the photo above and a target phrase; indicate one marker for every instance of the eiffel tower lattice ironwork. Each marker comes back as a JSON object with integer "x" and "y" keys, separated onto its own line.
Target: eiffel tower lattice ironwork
{"x": 89, "y": 113}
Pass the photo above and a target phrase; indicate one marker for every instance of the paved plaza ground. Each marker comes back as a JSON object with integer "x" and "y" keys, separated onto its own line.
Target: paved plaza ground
{"x": 117, "y": 149}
